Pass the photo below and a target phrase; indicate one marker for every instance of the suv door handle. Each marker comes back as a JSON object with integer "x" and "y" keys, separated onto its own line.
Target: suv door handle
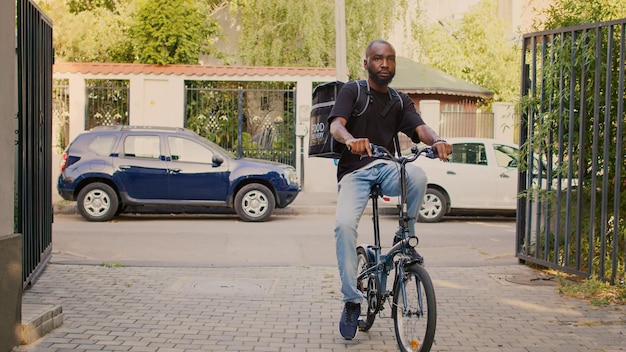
{"x": 124, "y": 167}
{"x": 173, "y": 171}
{"x": 450, "y": 172}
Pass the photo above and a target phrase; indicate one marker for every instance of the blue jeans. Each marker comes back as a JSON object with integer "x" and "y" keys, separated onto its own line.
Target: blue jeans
{"x": 354, "y": 190}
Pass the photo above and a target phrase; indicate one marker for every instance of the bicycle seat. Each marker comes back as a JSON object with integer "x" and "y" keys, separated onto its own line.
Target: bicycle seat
{"x": 375, "y": 191}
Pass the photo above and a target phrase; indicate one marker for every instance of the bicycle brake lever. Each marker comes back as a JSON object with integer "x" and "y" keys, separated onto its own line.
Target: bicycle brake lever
{"x": 378, "y": 151}
{"x": 430, "y": 152}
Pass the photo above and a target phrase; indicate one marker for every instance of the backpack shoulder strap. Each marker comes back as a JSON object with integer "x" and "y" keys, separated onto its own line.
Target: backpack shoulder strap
{"x": 396, "y": 96}
{"x": 363, "y": 97}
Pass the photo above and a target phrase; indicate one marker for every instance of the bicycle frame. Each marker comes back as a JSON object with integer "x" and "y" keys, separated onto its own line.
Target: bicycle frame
{"x": 382, "y": 264}
{"x": 414, "y": 316}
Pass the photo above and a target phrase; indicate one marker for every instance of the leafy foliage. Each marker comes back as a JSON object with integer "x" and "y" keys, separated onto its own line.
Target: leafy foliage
{"x": 77, "y": 6}
{"x": 599, "y": 293}
{"x": 272, "y": 32}
{"x": 302, "y": 33}
{"x": 101, "y": 43}
{"x": 171, "y": 31}
{"x": 573, "y": 113}
{"x": 267, "y": 117}
{"x": 138, "y": 31}
{"x": 566, "y": 13}
{"x": 475, "y": 48}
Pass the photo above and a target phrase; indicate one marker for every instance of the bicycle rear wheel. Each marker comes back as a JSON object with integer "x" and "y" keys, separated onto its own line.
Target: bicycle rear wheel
{"x": 414, "y": 310}
{"x": 368, "y": 285}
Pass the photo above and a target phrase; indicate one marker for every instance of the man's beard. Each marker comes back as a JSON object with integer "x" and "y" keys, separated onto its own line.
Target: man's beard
{"x": 378, "y": 80}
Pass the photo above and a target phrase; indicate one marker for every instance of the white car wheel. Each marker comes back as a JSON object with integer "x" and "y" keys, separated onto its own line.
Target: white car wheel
{"x": 435, "y": 206}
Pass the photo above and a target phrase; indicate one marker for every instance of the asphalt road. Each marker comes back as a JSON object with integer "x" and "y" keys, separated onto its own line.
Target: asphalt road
{"x": 224, "y": 240}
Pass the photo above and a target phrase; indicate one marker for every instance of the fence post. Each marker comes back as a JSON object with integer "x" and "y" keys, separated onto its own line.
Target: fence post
{"x": 78, "y": 106}
{"x": 239, "y": 121}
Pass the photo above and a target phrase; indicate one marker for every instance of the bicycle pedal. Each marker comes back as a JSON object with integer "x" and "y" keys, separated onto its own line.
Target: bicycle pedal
{"x": 361, "y": 324}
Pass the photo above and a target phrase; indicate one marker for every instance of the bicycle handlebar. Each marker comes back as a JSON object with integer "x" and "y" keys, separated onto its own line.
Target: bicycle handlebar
{"x": 382, "y": 152}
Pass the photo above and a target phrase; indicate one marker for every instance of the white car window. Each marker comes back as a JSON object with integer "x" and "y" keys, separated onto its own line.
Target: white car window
{"x": 468, "y": 153}
{"x": 505, "y": 156}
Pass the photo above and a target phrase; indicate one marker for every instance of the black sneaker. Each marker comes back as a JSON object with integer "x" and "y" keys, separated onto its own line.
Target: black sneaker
{"x": 349, "y": 323}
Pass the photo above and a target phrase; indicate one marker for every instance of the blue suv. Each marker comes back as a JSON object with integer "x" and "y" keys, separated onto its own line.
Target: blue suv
{"x": 111, "y": 167}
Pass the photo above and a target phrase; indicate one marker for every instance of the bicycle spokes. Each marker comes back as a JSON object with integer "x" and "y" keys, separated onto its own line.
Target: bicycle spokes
{"x": 413, "y": 311}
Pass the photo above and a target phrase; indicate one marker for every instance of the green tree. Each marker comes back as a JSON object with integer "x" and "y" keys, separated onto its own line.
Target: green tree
{"x": 302, "y": 33}
{"x": 103, "y": 42}
{"x": 171, "y": 31}
{"x": 567, "y": 13}
{"x": 475, "y": 48}
{"x": 76, "y": 6}
{"x": 142, "y": 31}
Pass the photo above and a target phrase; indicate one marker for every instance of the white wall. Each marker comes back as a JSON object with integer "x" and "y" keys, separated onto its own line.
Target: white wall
{"x": 158, "y": 100}
{"x": 504, "y": 122}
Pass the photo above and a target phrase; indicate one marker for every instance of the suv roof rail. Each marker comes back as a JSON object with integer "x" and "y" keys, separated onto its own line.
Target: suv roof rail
{"x": 137, "y": 127}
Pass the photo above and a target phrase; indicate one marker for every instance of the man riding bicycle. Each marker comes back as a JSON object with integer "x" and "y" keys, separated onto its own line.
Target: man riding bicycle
{"x": 357, "y": 170}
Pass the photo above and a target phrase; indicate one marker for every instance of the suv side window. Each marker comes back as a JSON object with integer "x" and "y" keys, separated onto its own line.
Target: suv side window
{"x": 142, "y": 147}
{"x": 468, "y": 153}
{"x": 102, "y": 145}
{"x": 182, "y": 149}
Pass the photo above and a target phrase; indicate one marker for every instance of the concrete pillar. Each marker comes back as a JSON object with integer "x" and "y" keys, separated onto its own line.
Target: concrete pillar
{"x": 504, "y": 122}
{"x": 431, "y": 113}
{"x": 135, "y": 101}
{"x": 10, "y": 243}
{"x": 78, "y": 105}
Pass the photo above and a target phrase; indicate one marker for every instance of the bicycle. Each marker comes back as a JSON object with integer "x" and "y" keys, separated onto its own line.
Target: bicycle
{"x": 413, "y": 311}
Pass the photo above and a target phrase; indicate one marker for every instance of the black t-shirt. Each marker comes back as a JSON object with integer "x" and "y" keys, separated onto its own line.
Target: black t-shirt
{"x": 379, "y": 129}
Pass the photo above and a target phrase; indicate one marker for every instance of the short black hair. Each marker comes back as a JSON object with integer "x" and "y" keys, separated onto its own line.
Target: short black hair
{"x": 372, "y": 43}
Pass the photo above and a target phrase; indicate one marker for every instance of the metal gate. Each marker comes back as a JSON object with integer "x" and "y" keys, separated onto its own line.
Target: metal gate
{"x": 107, "y": 102}
{"x": 572, "y": 213}
{"x": 248, "y": 120}
{"x": 33, "y": 185}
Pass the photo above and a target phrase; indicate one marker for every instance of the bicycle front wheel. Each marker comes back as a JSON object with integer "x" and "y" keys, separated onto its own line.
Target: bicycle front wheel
{"x": 414, "y": 310}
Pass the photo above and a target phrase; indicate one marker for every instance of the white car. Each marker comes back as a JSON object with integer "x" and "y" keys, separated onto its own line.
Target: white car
{"x": 480, "y": 176}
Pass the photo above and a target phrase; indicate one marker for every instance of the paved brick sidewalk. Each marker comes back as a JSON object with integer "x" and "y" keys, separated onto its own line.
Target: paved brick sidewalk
{"x": 156, "y": 309}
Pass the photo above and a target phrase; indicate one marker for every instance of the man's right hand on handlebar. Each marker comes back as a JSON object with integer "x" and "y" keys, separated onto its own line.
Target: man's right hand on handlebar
{"x": 443, "y": 149}
{"x": 359, "y": 146}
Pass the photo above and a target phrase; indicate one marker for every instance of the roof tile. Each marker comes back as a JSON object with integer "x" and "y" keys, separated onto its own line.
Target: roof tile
{"x": 186, "y": 70}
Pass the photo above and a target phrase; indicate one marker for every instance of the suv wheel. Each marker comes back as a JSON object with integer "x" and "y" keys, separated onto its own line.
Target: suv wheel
{"x": 254, "y": 202}
{"x": 435, "y": 206}
{"x": 97, "y": 202}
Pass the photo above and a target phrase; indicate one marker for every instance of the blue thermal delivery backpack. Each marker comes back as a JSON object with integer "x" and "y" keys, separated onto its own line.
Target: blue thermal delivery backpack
{"x": 321, "y": 142}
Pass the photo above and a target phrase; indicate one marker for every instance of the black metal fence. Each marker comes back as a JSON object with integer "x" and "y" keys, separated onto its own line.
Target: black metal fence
{"x": 60, "y": 114}
{"x": 107, "y": 102}
{"x": 33, "y": 185}
{"x": 245, "y": 118}
{"x": 572, "y": 213}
